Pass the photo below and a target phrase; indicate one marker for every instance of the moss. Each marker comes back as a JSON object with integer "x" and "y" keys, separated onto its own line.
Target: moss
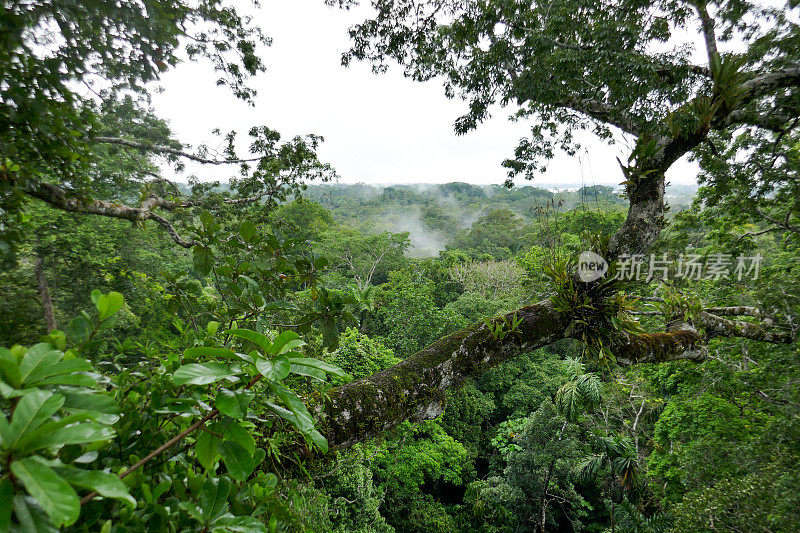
{"x": 661, "y": 345}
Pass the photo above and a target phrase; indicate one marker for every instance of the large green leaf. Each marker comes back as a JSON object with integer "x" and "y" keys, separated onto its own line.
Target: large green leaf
{"x": 106, "y": 484}
{"x": 302, "y": 370}
{"x": 254, "y": 337}
{"x": 238, "y": 461}
{"x": 247, "y": 231}
{"x": 233, "y": 404}
{"x": 202, "y": 374}
{"x": 290, "y": 399}
{"x": 236, "y": 433}
{"x": 5, "y": 433}
{"x": 32, "y": 411}
{"x": 50, "y": 426}
{"x": 319, "y": 441}
{"x": 320, "y": 365}
{"x": 6, "y": 493}
{"x": 69, "y": 366}
{"x": 80, "y": 433}
{"x": 214, "y": 498}
{"x": 239, "y": 524}
{"x": 9, "y": 371}
{"x": 79, "y": 329}
{"x": 288, "y": 340}
{"x": 77, "y": 380}
{"x": 109, "y": 304}
{"x": 38, "y": 356}
{"x": 30, "y": 516}
{"x": 275, "y": 369}
{"x": 205, "y": 449}
{"x": 202, "y": 260}
{"x": 101, "y": 407}
{"x": 50, "y": 490}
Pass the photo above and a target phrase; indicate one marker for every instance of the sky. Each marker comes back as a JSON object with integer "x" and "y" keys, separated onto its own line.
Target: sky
{"x": 378, "y": 129}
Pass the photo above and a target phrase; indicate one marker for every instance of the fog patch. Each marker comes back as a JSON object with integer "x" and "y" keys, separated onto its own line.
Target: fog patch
{"x": 424, "y": 242}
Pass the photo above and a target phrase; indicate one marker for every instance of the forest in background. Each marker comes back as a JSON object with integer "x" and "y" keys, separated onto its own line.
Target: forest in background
{"x": 260, "y": 354}
{"x": 551, "y": 435}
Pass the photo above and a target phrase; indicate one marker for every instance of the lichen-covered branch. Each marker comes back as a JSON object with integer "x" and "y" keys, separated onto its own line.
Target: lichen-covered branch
{"x": 737, "y": 310}
{"x": 661, "y": 347}
{"x": 56, "y": 197}
{"x": 415, "y": 388}
{"x": 722, "y": 327}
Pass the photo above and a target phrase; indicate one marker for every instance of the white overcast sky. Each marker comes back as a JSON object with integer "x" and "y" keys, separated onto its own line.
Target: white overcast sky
{"x": 378, "y": 129}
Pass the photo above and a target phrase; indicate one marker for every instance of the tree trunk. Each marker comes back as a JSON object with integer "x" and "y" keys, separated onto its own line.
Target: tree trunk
{"x": 44, "y": 294}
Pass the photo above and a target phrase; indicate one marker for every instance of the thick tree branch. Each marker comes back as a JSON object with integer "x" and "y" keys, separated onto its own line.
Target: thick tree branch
{"x": 722, "y": 327}
{"x": 646, "y": 191}
{"x": 769, "y": 82}
{"x": 709, "y": 35}
{"x": 738, "y": 310}
{"x": 56, "y": 197}
{"x": 415, "y": 388}
{"x": 682, "y": 344}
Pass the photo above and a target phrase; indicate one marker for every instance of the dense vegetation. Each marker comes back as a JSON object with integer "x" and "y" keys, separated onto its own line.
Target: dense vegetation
{"x": 261, "y": 355}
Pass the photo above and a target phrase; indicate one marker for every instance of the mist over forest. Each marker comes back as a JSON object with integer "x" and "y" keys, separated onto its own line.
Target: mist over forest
{"x": 438, "y": 215}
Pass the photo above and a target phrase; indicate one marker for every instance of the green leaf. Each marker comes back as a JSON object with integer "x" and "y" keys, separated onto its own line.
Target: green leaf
{"x": 79, "y": 329}
{"x": 275, "y": 369}
{"x": 207, "y": 351}
{"x": 319, "y": 441}
{"x": 214, "y": 498}
{"x": 101, "y": 407}
{"x": 238, "y": 462}
{"x": 9, "y": 372}
{"x": 254, "y": 337}
{"x": 247, "y": 231}
{"x": 239, "y": 524}
{"x": 75, "y": 434}
{"x": 78, "y": 380}
{"x": 321, "y": 365}
{"x": 106, "y": 484}
{"x": 50, "y": 426}
{"x": 207, "y": 219}
{"x": 32, "y": 411}
{"x": 304, "y": 422}
{"x": 5, "y": 434}
{"x": 37, "y": 357}
{"x": 237, "y": 433}
{"x": 206, "y": 449}
{"x": 69, "y": 366}
{"x": 109, "y": 304}
{"x": 233, "y": 404}
{"x": 202, "y": 260}
{"x": 6, "y": 492}
{"x": 302, "y": 370}
{"x": 50, "y": 490}
{"x": 288, "y": 340}
{"x": 196, "y": 374}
